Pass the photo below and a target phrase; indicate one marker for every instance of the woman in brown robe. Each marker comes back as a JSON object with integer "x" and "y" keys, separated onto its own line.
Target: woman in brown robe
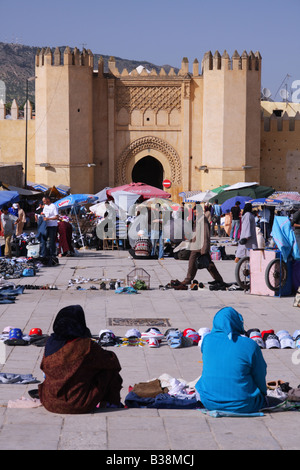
{"x": 79, "y": 374}
{"x": 64, "y": 232}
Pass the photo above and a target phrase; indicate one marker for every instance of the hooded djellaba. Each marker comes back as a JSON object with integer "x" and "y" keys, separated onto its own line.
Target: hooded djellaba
{"x": 234, "y": 370}
{"x": 79, "y": 374}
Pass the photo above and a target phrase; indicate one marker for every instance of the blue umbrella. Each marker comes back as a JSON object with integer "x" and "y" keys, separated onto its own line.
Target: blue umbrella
{"x": 229, "y": 203}
{"x": 8, "y": 197}
{"x": 75, "y": 200}
{"x": 265, "y": 201}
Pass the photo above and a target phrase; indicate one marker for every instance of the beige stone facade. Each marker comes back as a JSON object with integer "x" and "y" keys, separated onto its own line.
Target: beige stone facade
{"x": 198, "y": 128}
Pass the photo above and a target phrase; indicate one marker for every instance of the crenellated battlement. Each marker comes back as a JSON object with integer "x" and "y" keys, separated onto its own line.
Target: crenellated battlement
{"x": 46, "y": 57}
{"x": 281, "y": 123}
{"x": 14, "y": 111}
{"x": 153, "y": 73}
{"x": 245, "y": 61}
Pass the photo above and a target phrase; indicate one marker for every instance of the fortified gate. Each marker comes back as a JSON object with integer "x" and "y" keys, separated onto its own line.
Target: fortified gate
{"x": 199, "y": 128}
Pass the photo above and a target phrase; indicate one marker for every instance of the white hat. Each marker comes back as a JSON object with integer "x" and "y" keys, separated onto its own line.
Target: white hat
{"x": 256, "y": 336}
{"x": 202, "y": 332}
{"x": 104, "y": 331}
{"x": 133, "y": 332}
{"x": 272, "y": 342}
{"x": 141, "y": 233}
{"x": 286, "y": 341}
{"x": 15, "y": 205}
{"x": 296, "y": 334}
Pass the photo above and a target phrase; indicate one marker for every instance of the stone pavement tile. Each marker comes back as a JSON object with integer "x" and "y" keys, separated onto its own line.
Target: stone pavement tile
{"x": 284, "y": 427}
{"x": 32, "y": 429}
{"x": 145, "y": 431}
{"x": 84, "y": 432}
{"x": 243, "y": 433}
{"x": 188, "y": 430}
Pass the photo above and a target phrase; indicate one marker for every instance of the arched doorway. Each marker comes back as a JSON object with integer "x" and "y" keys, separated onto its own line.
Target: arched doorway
{"x": 148, "y": 170}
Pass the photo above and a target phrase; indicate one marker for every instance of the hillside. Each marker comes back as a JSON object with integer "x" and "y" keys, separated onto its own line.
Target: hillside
{"x": 17, "y": 64}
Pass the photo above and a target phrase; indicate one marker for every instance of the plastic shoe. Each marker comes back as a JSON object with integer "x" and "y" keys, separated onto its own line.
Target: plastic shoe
{"x": 174, "y": 339}
{"x": 153, "y": 343}
{"x": 152, "y": 333}
{"x": 181, "y": 287}
{"x": 192, "y": 334}
{"x": 175, "y": 282}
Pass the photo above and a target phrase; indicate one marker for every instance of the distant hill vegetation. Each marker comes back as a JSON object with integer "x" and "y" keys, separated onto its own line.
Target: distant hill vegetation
{"x": 17, "y": 63}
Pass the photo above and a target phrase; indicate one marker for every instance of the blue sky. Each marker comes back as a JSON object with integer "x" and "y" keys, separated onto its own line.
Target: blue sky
{"x": 164, "y": 31}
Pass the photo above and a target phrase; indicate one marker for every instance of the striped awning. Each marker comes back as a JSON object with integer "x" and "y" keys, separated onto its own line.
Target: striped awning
{"x": 63, "y": 189}
{"x": 38, "y": 186}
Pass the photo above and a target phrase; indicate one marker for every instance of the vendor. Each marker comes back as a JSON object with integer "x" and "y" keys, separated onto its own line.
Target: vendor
{"x": 234, "y": 371}
{"x": 79, "y": 374}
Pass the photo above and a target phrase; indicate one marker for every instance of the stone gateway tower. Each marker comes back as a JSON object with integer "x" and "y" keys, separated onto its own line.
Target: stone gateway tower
{"x": 197, "y": 128}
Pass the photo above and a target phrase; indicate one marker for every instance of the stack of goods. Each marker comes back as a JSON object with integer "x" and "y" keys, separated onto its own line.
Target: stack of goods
{"x": 267, "y": 339}
{"x": 12, "y": 336}
{"x": 153, "y": 337}
{"x": 16, "y": 268}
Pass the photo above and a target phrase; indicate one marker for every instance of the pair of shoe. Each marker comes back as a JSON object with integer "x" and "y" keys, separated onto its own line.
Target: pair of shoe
{"x": 153, "y": 336}
{"x": 181, "y": 287}
{"x": 178, "y": 285}
{"x": 196, "y": 285}
{"x": 175, "y": 282}
{"x": 218, "y": 285}
{"x": 174, "y": 338}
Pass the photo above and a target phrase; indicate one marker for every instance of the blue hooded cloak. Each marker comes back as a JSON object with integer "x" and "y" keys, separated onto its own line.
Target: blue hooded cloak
{"x": 234, "y": 370}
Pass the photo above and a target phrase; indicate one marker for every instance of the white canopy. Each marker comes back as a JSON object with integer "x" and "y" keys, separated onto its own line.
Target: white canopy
{"x": 240, "y": 185}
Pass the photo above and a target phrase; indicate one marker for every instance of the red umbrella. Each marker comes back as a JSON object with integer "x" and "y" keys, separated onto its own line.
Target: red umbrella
{"x": 140, "y": 188}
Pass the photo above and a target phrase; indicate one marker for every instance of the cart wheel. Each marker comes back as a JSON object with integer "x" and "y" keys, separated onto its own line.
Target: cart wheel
{"x": 242, "y": 273}
{"x": 276, "y": 274}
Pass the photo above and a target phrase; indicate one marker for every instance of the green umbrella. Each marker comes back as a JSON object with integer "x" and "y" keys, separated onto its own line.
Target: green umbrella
{"x": 254, "y": 192}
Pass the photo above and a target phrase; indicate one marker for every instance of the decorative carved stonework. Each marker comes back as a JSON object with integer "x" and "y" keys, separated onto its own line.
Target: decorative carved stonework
{"x": 149, "y": 143}
{"x": 144, "y": 97}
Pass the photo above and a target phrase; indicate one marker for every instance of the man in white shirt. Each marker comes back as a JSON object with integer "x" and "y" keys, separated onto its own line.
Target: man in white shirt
{"x": 50, "y": 214}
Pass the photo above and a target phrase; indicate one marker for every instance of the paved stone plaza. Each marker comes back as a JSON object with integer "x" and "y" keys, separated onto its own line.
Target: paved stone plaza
{"x": 142, "y": 429}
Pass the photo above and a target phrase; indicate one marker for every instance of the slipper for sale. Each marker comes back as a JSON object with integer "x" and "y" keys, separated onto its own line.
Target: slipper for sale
{"x": 152, "y": 333}
{"x": 273, "y": 384}
{"x": 174, "y": 339}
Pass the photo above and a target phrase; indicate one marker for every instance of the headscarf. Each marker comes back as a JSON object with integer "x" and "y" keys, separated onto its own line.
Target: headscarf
{"x": 228, "y": 321}
{"x": 247, "y": 208}
{"x": 68, "y": 325}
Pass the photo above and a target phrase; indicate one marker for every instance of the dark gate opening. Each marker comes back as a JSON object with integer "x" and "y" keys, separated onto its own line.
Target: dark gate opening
{"x": 148, "y": 170}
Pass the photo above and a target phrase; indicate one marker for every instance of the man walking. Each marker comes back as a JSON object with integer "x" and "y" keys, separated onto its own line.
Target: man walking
{"x": 200, "y": 247}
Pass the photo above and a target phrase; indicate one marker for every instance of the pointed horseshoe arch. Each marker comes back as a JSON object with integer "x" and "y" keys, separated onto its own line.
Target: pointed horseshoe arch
{"x": 144, "y": 144}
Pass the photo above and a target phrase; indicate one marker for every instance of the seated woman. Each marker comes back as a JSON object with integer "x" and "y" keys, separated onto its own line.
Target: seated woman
{"x": 234, "y": 370}
{"x": 79, "y": 374}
